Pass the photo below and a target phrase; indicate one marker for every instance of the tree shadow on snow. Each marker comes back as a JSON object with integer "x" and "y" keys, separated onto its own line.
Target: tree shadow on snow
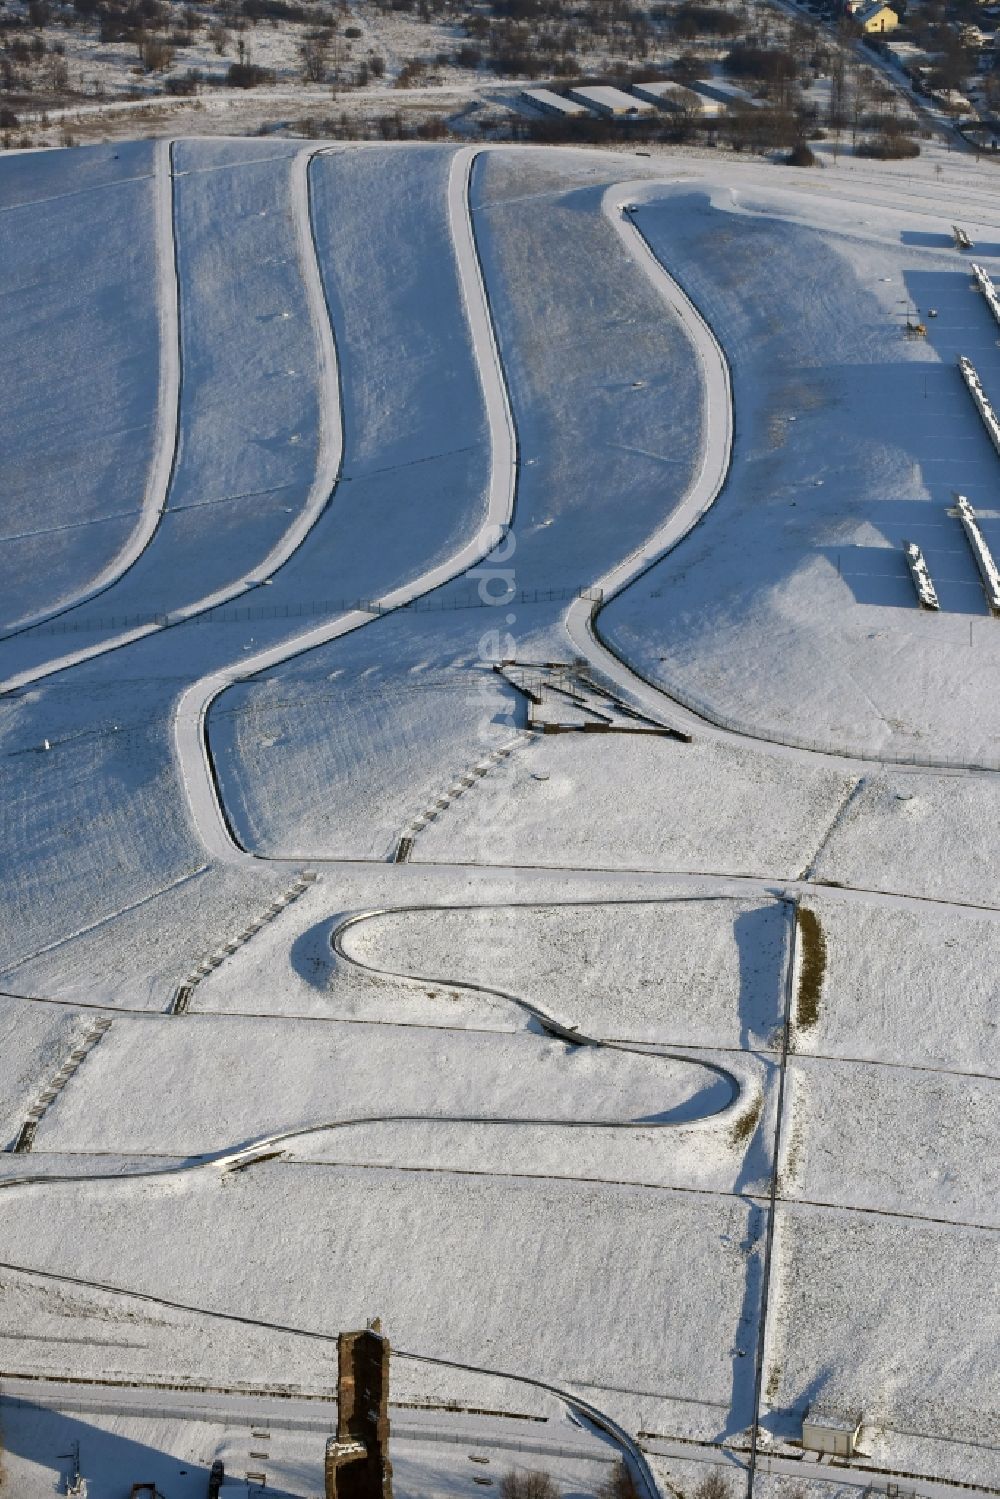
{"x": 759, "y": 941}
{"x": 311, "y": 955}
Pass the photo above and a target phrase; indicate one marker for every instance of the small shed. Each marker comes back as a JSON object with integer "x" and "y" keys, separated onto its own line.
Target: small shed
{"x": 830, "y": 1429}
{"x": 605, "y": 99}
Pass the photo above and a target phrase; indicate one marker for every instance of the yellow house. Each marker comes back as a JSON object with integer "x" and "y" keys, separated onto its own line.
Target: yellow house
{"x": 876, "y": 17}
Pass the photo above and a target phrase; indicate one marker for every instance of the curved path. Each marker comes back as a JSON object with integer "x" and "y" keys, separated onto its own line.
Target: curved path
{"x": 716, "y": 455}
{"x": 582, "y": 617}
{"x": 167, "y": 410}
{"x": 262, "y": 1146}
{"x": 328, "y": 458}
{"x": 190, "y": 724}
{"x": 549, "y": 1023}
{"x": 190, "y": 720}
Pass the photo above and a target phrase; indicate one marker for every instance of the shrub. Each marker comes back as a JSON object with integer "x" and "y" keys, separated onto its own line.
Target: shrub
{"x": 885, "y": 147}
{"x": 800, "y": 156}
{"x": 743, "y": 1128}
{"x": 714, "y": 1485}
{"x": 765, "y": 63}
{"x": 155, "y": 54}
{"x": 813, "y": 966}
{"x": 705, "y": 20}
{"x": 248, "y": 75}
{"x": 183, "y": 83}
{"x": 619, "y": 1483}
{"x": 519, "y": 1483}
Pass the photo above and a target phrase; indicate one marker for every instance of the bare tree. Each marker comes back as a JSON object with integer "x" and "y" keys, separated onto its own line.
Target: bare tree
{"x": 619, "y": 1483}
{"x": 314, "y": 51}
{"x": 520, "y": 1483}
{"x": 714, "y": 1485}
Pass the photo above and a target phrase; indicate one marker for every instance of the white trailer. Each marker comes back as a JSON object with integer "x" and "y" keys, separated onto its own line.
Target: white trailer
{"x": 975, "y": 388}
{"x": 920, "y": 573}
{"x": 988, "y": 571}
{"x": 830, "y": 1431}
{"x": 984, "y": 283}
{"x": 962, "y": 240}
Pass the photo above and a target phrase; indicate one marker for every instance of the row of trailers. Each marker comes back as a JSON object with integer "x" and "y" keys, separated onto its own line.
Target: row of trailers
{"x": 978, "y": 545}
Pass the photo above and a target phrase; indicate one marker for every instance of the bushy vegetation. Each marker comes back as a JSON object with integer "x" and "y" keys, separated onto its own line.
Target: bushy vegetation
{"x": 812, "y": 968}
{"x": 521, "y": 1483}
{"x": 888, "y": 147}
{"x": 560, "y": 42}
{"x": 619, "y": 1483}
{"x": 715, "y": 1485}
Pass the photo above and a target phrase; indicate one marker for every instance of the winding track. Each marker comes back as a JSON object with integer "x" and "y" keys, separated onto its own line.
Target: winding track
{"x": 716, "y": 454}
{"x": 328, "y": 458}
{"x": 247, "y": 1151}
{"x": 154, "y": 500}
{"x": 190, "y": 718}
{"x": 549, "y": 1023}
{"x": 191, "y": 739}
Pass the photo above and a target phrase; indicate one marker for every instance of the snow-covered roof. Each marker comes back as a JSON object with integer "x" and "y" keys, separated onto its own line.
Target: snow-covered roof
{"x": 834, "y": 1418}
{"x": 869, "y": 12}
{"x": 547, "y": 98}
{"x": 668, "y": 94}
{"x": 607, "y": 99}
{"x": 725, "y": 93}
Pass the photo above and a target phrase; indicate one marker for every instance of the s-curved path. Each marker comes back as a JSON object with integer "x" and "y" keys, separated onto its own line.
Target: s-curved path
{"x": 190, "y": 719}
{"x": 716, "y": 455}
{"x": 167, "y": 409}
{"x": 261, "y": 1146}
{"x": 328, "y": 457}
{"x": 549, "y": 1023}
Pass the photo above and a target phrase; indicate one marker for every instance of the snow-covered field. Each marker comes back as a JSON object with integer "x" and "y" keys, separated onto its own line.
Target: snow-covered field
{"x": 823, "y": 595}
{"x": 328, "y": 988}
{"x": 78, "y": 379}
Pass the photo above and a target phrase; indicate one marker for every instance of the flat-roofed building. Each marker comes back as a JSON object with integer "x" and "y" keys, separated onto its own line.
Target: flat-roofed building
{"x": 728, "y": 94}
{"x": 550, "y": 102}
{"x": 667, "y": 94}
{"x": 605, "y": 99}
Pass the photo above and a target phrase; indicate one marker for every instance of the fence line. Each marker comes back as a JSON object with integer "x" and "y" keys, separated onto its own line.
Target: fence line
{"x": 305, "y": 610}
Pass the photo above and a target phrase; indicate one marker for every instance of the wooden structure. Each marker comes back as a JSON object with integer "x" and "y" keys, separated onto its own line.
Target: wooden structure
{"x": 357, "y": 1462}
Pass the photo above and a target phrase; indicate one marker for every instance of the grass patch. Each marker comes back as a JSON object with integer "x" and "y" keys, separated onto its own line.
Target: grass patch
{"x": 812, "y": 970}
{"x": 744, "y": 1126}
